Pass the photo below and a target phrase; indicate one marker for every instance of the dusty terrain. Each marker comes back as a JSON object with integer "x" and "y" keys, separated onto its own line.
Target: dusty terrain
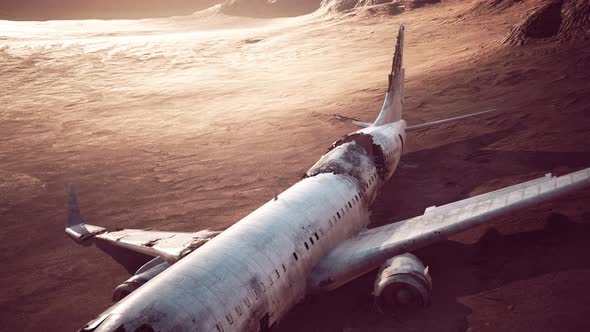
{"x": 192, "y": 122}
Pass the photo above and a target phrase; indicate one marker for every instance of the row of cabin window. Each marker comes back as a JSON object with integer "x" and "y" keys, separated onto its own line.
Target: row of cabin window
{"x": 372, "y": 179}
{"x": 238, "y": 308}
{"x": 354, "y": 200}
{"x": 392, "y": 153}
{"x": 255, "y": 295}
{"x": 247, "y": 302}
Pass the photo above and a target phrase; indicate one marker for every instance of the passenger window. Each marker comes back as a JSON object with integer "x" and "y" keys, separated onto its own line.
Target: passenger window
{"x": 284, "y": 268}
{"x": 338, "y": 214}
{"x": 270, "y": 280}
{"x": 306, "y": 246}
{"x": 350, "y": 205}
{"x": 256, "y": 295}
{"x": 277, "y": 275}
{"x": 295, "y": 256}
{"x": 229, "y": 318}
{"x": 247, "y": 302}
{"x": 219, "y": 327}
{"x": 316, "y": 236}
{"x": 239, "y": 310}
{"x": 311, "y": 240}
{"x": 263, "y": 287}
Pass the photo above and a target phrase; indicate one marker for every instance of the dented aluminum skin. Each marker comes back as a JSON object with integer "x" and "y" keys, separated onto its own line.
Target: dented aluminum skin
{"x": 251, "y": 274}
{"x": 310, "y": 238}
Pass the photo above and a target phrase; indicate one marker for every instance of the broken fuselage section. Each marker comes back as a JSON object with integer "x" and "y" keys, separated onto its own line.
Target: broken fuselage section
{"x": 363, "y": 153}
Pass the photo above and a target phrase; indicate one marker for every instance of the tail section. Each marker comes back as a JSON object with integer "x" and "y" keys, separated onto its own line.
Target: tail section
{"x": 394, "y": 99}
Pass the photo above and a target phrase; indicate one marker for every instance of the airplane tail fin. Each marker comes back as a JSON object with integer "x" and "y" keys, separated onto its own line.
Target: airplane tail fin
{"x": 394, "y": 99}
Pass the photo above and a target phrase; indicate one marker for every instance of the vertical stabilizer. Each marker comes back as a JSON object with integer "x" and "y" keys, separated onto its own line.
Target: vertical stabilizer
{"x": 394, "y": 99}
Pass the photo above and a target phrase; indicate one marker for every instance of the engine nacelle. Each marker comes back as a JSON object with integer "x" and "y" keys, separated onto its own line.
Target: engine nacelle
{"x": 145, "y": 273}
{"x": 402, "y": 283}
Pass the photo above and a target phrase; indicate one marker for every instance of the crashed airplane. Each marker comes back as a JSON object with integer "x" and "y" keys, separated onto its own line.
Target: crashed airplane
{"x": 311, "y": 238}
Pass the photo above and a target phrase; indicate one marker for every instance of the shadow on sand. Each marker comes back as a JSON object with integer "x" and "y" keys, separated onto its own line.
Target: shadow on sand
{"x": 458, "y": 269}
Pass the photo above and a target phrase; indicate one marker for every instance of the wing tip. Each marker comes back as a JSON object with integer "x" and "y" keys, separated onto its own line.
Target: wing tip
{"x": 74, "y": 217}
{"x": 75, "y": 226}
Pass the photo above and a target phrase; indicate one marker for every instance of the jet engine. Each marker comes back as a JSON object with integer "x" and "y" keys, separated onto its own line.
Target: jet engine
{"x": 402, "y": 283}
{"x": 145, "y": 273}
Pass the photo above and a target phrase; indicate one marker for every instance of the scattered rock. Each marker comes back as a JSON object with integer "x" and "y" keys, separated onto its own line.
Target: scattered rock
{"x": 393, "y": 7}
{"x": 339, "y": 6}
{"x": 253, "y": 40}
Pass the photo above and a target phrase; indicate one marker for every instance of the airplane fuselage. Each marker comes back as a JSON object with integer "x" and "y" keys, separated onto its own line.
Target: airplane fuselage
{"x": 253, "y": 273}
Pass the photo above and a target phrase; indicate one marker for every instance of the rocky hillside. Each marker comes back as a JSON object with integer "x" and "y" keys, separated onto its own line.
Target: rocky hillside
{"x": 565, "y": 19}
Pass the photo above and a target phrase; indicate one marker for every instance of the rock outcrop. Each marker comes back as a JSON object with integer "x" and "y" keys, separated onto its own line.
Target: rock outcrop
{"x": 565, "y": 19}
{"x": 280, "y": 8}
{"x": 269, "y": 8}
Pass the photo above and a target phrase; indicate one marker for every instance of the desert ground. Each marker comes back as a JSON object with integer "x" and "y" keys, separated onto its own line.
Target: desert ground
{"x": 191, "y": 122}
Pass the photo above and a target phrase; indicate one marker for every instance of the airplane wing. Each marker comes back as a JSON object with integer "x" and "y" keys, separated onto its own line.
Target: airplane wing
{"x": 370, "y": 248}
{"x": 171, "y": 246}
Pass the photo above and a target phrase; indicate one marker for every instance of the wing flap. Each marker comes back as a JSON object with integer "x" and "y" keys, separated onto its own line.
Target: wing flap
{"x": 171, "y": 246}
{"x": 368, "y": 249}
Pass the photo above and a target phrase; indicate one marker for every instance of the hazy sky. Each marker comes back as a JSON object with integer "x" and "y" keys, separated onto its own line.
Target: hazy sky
{"x": 77, "y": 9}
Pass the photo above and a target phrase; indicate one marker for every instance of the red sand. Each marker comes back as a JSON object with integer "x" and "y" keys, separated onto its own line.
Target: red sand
{"x": 160, "y": 126}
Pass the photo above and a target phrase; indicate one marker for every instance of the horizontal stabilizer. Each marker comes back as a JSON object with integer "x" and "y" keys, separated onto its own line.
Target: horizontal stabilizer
{"x": 171, "y": 246}
{"x": 437, "y": 122}
{"x": 352, "y": 120}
